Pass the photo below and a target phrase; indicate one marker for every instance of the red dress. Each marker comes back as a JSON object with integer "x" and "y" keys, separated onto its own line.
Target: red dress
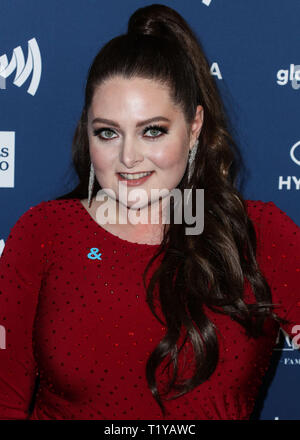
{"x": 73, "y": 307}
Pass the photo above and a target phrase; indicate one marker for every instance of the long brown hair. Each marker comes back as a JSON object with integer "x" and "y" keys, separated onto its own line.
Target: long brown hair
{"x": 196, "y": 270}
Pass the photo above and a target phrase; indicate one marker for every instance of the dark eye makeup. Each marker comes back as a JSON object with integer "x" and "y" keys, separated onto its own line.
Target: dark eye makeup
{"x": 156, "y": 127}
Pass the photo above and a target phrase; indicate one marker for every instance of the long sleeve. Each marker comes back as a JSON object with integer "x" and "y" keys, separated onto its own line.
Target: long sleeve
{"x": 280, "y": 236}
{"x": 21, "y": 269}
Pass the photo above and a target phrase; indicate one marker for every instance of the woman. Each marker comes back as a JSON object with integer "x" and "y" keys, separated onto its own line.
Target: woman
{"x": 144, "y": 321}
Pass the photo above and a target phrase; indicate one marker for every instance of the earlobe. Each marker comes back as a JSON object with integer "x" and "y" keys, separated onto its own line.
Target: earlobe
{"x": 197, "y": 125}
{"x": 199, "y": 118}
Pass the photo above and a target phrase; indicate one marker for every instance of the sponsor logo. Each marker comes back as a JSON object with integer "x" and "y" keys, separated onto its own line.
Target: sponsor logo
{"x": 290, "y": 182}
{"x": 292, "y": 153}
{"x": 290, "y": 345}
{"x": 23, "y": 71}
{"x": 215, "y": 70}
{"x": 292, "y": 74}
{"x": 7, "y": 159}
{"x": 2, "y": 244}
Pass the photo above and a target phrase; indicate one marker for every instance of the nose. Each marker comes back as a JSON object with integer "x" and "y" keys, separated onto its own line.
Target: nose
{"x": 130, "y": 154}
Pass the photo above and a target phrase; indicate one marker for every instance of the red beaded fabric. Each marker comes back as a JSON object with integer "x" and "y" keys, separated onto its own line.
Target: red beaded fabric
{"x": 78, "y": 316}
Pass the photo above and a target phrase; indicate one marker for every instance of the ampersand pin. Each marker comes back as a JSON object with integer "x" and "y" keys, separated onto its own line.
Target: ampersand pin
{"x": 93, "y": 255}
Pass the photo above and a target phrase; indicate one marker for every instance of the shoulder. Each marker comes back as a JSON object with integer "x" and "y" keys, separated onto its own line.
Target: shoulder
{"x": 43, "y": 213}
{"x": 53, "y": 207}
{"x": 60, "y": 205}
{"x": 256, "y": 208}
{"x": 268, "y": 214}
{"x": 277, "y": 232}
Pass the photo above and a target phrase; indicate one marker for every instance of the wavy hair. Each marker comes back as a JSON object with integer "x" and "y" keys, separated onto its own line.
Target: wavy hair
{"x": 208, "y": 269}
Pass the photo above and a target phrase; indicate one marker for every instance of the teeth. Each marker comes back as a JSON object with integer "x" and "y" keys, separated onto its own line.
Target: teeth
{"x": 134, "y": 176}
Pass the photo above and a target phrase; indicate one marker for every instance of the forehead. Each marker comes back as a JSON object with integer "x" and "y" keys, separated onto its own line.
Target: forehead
{"x": 136, "y": 95}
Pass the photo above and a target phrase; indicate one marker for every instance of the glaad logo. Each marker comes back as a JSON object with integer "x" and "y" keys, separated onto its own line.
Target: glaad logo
{"x": 291, "y": 179}
{"x": 293, "y": 75}
{"x": 17, "y": 62}
{"x": 206, "y": 2}
{"x": 7, "y": 159}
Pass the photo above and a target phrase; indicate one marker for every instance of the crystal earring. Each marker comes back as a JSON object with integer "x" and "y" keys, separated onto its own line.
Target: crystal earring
{"x": 91, "y": 183}
{"x": 192, "y": 154}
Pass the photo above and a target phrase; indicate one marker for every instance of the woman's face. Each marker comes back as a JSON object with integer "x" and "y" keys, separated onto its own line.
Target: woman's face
{"x": 121, "y": 139}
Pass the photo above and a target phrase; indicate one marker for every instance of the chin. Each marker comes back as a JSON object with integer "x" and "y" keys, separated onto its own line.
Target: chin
{"x": 135, "y": 206}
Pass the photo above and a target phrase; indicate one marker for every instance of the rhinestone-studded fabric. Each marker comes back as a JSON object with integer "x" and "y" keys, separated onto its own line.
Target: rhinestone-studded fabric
{"x": 72, "y": 303}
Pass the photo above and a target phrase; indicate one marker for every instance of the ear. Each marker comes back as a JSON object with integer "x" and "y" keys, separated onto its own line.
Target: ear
{"x": 196, "y": 125}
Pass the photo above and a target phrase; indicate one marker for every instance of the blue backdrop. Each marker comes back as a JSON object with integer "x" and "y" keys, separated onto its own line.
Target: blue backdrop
{"x": 253, "y": 48}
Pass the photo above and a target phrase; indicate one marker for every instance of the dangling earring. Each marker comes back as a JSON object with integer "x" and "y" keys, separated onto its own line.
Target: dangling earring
{"x": 192, "y": 154}
{"x": 91, "y": 183}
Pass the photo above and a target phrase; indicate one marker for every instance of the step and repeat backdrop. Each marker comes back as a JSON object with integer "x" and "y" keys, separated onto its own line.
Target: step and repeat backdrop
{"x": 253, "y": 47}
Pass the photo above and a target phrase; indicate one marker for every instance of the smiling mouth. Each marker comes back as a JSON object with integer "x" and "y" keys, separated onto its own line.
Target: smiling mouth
{"x": 135, "y": 176}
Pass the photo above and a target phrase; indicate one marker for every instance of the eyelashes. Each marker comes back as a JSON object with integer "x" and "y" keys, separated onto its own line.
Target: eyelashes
{"x": 163, "y": 130}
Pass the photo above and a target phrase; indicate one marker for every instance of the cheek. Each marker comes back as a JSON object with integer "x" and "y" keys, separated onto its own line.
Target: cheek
{"x": 101, "y": 156}
{"x": 170, "y": 157}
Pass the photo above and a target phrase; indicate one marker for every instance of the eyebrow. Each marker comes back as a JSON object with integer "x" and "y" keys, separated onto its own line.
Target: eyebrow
{"x": 139, "y": 124}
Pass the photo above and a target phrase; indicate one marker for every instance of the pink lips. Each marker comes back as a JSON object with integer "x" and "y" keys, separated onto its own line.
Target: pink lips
{"x": 134, "y": 182}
